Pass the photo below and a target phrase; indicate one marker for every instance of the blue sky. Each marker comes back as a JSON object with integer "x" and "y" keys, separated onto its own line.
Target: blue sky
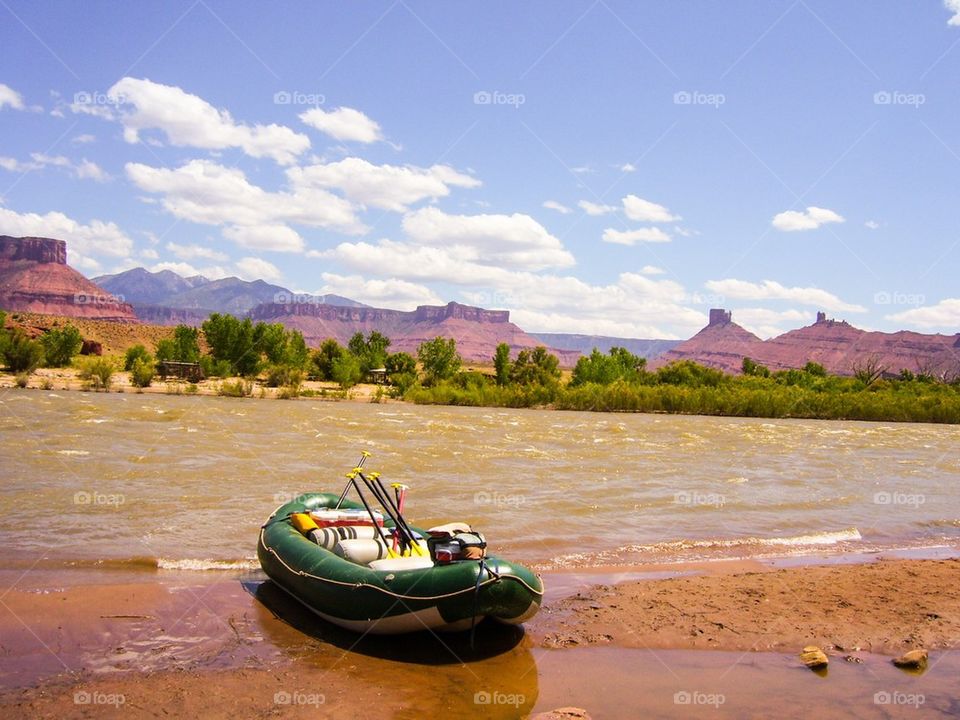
{"x": 599, "y": 167}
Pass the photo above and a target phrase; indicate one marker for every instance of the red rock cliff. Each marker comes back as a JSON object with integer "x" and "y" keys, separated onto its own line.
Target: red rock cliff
{"x": 35, "y": 277}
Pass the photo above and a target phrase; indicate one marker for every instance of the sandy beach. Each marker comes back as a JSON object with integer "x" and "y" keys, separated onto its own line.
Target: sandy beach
{"x": 172, "y": 646}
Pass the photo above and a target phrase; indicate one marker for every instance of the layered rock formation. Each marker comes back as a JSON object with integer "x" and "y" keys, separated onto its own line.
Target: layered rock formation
{"x": 477, "y": 331}
{"x": 35, "y": 277}
{"x": 721, "y": 344}
{"x": 835, "y": 344}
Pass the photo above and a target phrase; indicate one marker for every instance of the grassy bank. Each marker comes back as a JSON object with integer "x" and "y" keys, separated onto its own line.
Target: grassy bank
{"x": 798, "y": 396}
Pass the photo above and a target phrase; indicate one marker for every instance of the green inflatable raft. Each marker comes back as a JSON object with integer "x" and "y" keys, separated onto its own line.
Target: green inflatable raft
{"x": 430, "y": 591}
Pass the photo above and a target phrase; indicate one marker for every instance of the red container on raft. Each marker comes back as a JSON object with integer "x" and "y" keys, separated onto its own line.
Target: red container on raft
{"x": 328, "y": 517}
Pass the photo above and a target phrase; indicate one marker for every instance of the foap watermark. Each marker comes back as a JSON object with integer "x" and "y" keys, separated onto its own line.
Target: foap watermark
{"x": 914, "y": 700}
{"x": 297, "y": 97}
{"x": 495, "y": 97}
{"x": 84, "y": 497}
{"x": 692, "y": 498}
{"x": 695, "y": 697}
{"x": 896, "y": 97}
{"x": 85, "y": 697}
{"x": 287, "y": 497}
{"x": 298, "y": 697}
{"x": 493, "y": 298}
{"x": 498, "y": 499}
{"x": 97, "y": 299}
{"x": 96, "y": 98}
{"x": 899, "y": 498}
{"x": 288, "y": 298}
{"x": 896, "y": 297}
{"x": 695, "y": 97}
{"x": 483, "y": 697}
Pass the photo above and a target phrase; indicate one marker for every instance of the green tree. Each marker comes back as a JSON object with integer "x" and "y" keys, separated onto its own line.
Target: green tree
{"x": 186, "y": 344}
{"x": 439, "y": 359}
{"x": 4, "y": 336}
{"x": 323, "y": 359}
{"x": 370, "y": 351}
{"x": 142, "y": 371}
{"x": 296, "y": 354}
{"x": 400, "y": 362}
{"x": 815, "y": 369}
{"x": 235, "y": 341}
{"x": 501, "y": 363}
{"x": 535, "y": 367}
{"x": 98, "y": 372}
{"x": 346, "y": 370}
{"x": 137, "y": 352}
{"x": 749, "y": 367}
{"x": 271, "y": 340}
{"x": 619, "y": 364}
{"x": 60, "y": 345}
{"x": 21, "y": 353}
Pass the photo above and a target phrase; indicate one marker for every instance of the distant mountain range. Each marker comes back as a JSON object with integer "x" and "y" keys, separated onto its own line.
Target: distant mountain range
{"x": 154, "y": 294}
{"x": 34, "y": 277}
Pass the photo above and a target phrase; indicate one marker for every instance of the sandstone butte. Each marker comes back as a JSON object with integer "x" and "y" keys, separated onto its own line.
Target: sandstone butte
{"x": 35, "y": 277}
{"x": 837, "y": 345}
{"x": 477, "y": 331}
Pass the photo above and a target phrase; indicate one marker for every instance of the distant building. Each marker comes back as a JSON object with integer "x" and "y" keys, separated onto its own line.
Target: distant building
{"x": 719, "y": 316}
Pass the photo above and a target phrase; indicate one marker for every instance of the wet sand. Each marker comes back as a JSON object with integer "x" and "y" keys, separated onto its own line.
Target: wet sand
{"x": 173, "y": 645}
{"x": 887, "y": 607}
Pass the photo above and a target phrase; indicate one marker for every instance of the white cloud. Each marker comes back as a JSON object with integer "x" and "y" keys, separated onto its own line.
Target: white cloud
{"x": 582, "y": 170}
{"x": 13, "y": 165}
{"x": 344, "y": 124}
{"x": 149, "y": 254}
{"x": 203, "y": 192}
{"x": 516, "y": 241}
{"x": 632, "y": 237}
{"x": 190, "y": 121}
{"x": 559, "y": 207}
{"x": 85, "y": 169}
{"x": 10, "y": 98}
{"x": 814, "y": 217}
{"x": 389, "y": 293}
{"x": 389, "y": 187}
{"x": 95, "y": 238}
{"x": 628, "y": 167}
{"x": 945, "y": 314}
{"x": 634, "y": 306}
{"x": 83, "y": 139}
{"x": 641, "y": 210}
{"x": 253, "y": 268}
{"x": 192, "y": 252}
{"x": 873, "y": 224}
{"x": 595, "y": 209}
{"x": 772, "y": 290}
{"x": 652, "y": 270}
{"x": 278, "y": 238}
{"x": 954, "y": 7}
{"x": 88, "y": 170}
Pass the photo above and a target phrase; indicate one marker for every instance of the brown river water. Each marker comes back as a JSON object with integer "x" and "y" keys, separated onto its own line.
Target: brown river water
{"x": 182, "y": 482}
{"x": 112, "y": 489}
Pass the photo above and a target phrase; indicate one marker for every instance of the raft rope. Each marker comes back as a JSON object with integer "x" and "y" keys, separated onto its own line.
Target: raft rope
{"x": 495, "y": 576}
